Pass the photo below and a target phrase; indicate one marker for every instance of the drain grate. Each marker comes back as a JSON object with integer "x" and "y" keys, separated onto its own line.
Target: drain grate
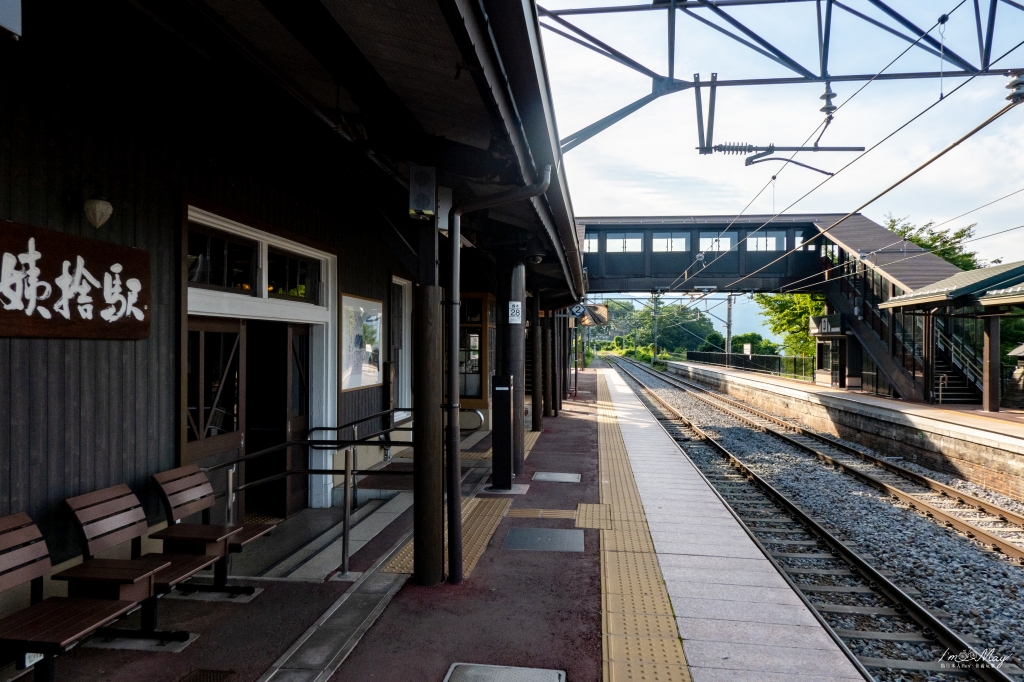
{"x": 474, "y": 672}
{"x": 209, "y": 676}
{"x": 556, "y": 476}
{"x": 544, "y": 539}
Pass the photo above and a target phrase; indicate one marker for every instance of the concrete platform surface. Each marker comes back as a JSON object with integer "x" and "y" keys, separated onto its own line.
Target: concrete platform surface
{"x": 738, "y": 618}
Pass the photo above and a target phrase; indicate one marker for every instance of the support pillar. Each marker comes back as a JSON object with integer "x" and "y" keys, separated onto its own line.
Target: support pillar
{"x": 556, "y": 364}
{"x": 549, "y": 405}
{"x": 428, "y": 430}
{"x": 517, "y": 366}
{"x": 992, "y": 366}
{"x": 854, "y": 363}
{"x": 536, "y": 345}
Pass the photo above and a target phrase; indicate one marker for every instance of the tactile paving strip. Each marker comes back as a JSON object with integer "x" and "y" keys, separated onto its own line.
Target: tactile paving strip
{"x": 641, "y": 640}
{"x": 594, "y": 516}
{"x": 542, "y": 514}
{"x": 528, "y": 443}
{"x": 480, "y": 518}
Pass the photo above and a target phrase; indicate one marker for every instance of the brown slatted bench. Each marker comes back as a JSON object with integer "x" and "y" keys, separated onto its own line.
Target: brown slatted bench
{"x": 49, "y": 626}
{"x": 186, "y": 491}
{"x": 114, "y": 515}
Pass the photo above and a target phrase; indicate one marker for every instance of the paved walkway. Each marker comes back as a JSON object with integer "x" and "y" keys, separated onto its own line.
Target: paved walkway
{"x": 737, "y": 617}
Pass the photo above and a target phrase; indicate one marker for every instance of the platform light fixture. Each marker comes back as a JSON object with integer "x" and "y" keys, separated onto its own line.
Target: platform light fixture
{"x": 98, "y": 210}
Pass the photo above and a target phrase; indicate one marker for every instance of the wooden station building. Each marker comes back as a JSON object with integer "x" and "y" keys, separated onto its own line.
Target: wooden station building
{"x": 224, "y": 224}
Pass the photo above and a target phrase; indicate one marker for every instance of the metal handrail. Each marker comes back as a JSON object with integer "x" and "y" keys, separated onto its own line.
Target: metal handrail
{"x": 360, "y": 420}
{"x": 965, "y": 361}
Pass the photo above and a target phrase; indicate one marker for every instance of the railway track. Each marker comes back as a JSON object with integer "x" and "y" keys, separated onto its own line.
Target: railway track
{"x": 999, "y": 529}
{"x": 896, "y": 636}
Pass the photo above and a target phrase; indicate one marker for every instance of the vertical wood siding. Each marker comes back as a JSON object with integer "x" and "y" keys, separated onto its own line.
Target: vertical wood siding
{"x": 101, "y": 94}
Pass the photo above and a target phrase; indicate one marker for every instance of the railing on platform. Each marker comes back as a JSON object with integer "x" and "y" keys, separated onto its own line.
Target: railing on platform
{"x": 790, "y": 366}
{"x": 349, "y": 472}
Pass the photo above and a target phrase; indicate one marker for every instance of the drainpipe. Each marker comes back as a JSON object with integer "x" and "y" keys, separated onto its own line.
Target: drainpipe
{"x": 454, "y": 480}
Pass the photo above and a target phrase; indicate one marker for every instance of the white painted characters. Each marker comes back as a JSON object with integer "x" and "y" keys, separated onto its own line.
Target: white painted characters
{"x": 22, "y": 289}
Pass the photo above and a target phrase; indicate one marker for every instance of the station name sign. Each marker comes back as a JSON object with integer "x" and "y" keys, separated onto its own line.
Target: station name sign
{"x": 56, "y": 285}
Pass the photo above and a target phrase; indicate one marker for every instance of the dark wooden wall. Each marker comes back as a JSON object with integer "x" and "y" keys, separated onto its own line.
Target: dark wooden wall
{"x": 98, "y": 96}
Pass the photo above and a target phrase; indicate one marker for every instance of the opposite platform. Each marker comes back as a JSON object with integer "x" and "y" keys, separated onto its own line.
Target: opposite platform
{"x": 738, "y": 618}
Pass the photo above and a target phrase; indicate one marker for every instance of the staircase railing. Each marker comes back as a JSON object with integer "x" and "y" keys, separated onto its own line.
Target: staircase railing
{"x": 961, "y": 357}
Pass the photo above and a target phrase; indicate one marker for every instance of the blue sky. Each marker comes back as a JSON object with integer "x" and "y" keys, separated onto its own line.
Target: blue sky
{"x": 647, "y": 164}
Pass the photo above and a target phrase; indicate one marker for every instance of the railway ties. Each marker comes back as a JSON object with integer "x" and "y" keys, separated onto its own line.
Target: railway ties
{"x": 878, "y": 625}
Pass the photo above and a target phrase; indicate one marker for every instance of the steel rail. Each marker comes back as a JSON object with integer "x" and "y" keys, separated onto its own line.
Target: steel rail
{"x": 984, "y": 535}
{"x": 930, "y": 623}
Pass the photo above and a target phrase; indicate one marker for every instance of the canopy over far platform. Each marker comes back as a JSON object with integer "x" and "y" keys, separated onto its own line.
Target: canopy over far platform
{"x": 998, "y": 285}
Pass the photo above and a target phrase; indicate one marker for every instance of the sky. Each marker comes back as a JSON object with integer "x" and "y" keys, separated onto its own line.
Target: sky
{"x": 647, "y": 163}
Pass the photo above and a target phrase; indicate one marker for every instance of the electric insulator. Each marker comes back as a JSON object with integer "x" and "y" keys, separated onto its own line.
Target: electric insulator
{"x": 1016, "y": 88}
{"x": 827, "y": 97}
{"x": 735, "y": 148}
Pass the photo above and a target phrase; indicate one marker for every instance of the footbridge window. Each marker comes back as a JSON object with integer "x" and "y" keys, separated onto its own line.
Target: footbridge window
{"x": 714, "y": 241}
{"x": 591, "y": 243}
{"x": 766, "y": 241}
{"x": 625, "y": 242}
{"x": 665, "y": 242}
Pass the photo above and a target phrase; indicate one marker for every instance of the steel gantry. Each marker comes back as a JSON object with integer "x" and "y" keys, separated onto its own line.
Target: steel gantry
{"x": 714, "y": 14}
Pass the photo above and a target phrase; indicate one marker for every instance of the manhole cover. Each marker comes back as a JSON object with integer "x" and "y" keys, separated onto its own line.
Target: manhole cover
{"x": 474, "y": 672}
{"x": 209, "y": 676}
{"x": 544, "y": 539}
{"x": 557, "y": 477}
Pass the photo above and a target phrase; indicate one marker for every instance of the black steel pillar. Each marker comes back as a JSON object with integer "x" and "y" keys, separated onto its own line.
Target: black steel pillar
{"x": 428, "y": 467}
{"x": 517, "y": 363}
{"x": 536, "y": 345}
{"x": 992, "y": 368}
{"x": 854, "y": 363}
{"x": 558, "y": 362}
{"x": 501, "y": 432}
{"x": 549, "y": 406}
{"x": 453, "y": 445}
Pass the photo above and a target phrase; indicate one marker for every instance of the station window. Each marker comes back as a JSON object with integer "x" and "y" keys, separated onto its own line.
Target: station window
{"x": 220, "y": 260}
{"x": 715, "y": 241}
{"x": 766, "y": 241}
{"x": 591, "y": 243}
{"x": 625, "y": 242}
{"x": 803, "y": 244}
{"x": 671, "y": 241}
{"x": 292, "y": 277}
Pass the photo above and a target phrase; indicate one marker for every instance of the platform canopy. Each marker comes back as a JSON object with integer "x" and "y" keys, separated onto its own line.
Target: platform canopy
{"x": 457, "y": 86}
{"x": 997, "y": 285}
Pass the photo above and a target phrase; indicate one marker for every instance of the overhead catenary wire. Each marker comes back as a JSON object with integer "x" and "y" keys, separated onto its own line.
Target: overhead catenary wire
{"x": 903, "y": 239}
{"x": 994, "y": 117}
{"x": 704, "y": 265}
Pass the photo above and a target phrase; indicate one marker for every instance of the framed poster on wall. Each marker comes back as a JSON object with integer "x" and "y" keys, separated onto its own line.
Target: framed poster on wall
{"x": 361, "y": 328}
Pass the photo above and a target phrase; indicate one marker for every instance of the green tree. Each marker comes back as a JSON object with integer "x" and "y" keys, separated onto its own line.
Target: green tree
{"x": 946, "y": 244}
{"x": 758, "y": 344}
{"x": 788, "y": 315}
{"x": 713, "y": 343}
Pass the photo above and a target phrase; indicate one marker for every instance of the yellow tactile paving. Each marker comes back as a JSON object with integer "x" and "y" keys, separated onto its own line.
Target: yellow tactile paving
{"x": 641, "y": 640}
{"x": 480, "y": 518}
{"x": 594, "y": 516}
{"x": 528, "y": 443}
{"x": 542, "y": 513}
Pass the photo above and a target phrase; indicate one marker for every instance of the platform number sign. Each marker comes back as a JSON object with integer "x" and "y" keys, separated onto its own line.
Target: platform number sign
{"x": 577, "y": 310}
{"x": 515, "y": 312}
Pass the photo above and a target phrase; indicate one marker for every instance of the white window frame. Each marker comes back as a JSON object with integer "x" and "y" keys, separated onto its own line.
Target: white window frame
{"x": 758, "y": 241}
{"x": 403, "y": 397}
{"x": 713, "y": 241}
{"x": 675, "y": 242}
{"x": 322, "y": 318}
{"x": 625, "y": 240}
{"x": 591, "y": 243}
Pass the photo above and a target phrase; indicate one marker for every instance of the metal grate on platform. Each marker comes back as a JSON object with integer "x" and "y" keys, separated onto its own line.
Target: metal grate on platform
{"x": 209, "y": 676}
{"x": 544, "y": 539}
{"x": 475, "y": 672}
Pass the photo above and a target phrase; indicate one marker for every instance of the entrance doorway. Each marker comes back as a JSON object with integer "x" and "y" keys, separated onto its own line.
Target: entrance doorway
{"x": 277, "y": 405}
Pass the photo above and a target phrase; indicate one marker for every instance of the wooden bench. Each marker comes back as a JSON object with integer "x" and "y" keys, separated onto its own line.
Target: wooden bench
{"x": 186, "y": 491}
{"x": 48, "y": 627}
{"x": 114, "y": 515}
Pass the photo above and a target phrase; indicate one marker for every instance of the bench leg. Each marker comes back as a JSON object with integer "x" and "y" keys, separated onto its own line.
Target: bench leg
{"x": 148, "y": 629}
{"x": 43, "y": 670}
{"x": 220, "y": 582}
